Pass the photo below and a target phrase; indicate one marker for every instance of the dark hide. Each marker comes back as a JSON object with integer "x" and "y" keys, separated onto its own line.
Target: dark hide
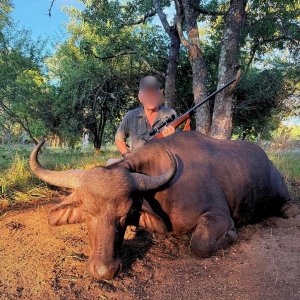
{"x": 219, "y": 184}
{"x": 210, "y": 188}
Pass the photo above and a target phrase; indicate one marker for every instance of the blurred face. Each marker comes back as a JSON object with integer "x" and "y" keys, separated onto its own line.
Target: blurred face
{"x": 151, "y": 98}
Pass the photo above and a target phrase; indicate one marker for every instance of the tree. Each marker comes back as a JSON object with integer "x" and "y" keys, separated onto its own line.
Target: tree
{"x": 174, "y": 49}
{"x": 222, "y": 114}
{"x": 92, "y": 79}
{"x": 99, "y": 67}
{"x": 269, "y": 25}
{"x": 262, "y": 100}
{"x": 22, "y": 80}
{"x": 6, "y": 6}
{"x": 186, "y": 9}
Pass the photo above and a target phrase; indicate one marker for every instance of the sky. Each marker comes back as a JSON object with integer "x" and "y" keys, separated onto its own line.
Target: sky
{"x": 33, "y": 15}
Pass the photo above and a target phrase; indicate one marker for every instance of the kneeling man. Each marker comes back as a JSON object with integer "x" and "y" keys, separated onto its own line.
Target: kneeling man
{"x": 137, "y": 123}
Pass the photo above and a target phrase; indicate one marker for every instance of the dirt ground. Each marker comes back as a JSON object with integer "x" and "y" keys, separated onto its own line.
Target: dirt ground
{"x": 42, "y": 262}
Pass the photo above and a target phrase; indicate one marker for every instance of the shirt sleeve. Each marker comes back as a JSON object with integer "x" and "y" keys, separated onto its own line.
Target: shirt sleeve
{"x": 123, "y": 129}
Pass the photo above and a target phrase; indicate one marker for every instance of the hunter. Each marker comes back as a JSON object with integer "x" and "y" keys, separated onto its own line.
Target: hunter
{"x": 137, "y": 123}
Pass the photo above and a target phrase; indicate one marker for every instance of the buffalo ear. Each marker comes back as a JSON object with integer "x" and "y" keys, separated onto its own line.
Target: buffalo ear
{"x": 69, "y": 211}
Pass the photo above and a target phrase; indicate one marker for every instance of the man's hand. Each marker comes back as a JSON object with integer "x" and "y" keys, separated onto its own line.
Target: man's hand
{"x": 168, "y": 130}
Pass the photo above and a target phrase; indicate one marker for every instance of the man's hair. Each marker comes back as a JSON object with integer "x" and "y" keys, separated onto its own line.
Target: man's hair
{"x": 149, "y": 81}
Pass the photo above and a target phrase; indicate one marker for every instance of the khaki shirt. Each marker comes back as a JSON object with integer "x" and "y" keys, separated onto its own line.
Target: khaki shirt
{"x": 135, "y": 126}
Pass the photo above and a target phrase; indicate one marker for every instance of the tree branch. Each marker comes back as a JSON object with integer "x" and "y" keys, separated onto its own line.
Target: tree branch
{"x": 18, "y": 120}
{"x": 121, "y": 53}
{"x": 163, "y": 75}
{"x": 132, "y": 52}
{"x": 143, "y": 19}
{"x": 253, "y": 52}
{"x": 178, "y": 22}
{"x": 202, "y": 10}
{"x": 258, "y": 43}
{"x": 279, "y": 38}
{"x": 162, "y": 16}
{"x": 50, "y": 8}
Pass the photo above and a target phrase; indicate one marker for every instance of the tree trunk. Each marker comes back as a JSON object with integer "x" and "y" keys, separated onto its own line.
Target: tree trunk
{"x": 170, "y": 90}
{"x": 97, "y": 130}
{"x": 97, "y": 139}
{"x": 187, "y": 8}
{"x": 222, "y": 115}
{"x": 56, "y": 141}
{"x": 170, "y": 83}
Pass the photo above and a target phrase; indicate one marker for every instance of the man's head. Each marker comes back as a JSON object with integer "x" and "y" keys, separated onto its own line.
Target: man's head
{"x": 101, "y": 197}
{"x": 150, "y": 93}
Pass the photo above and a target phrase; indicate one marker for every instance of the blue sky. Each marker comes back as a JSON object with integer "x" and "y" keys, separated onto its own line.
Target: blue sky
{"x": 33, "y": 15}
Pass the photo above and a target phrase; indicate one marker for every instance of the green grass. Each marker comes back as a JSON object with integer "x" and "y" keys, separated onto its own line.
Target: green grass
{"x": 288, "y": 163}
{"x": 19, "y": 185}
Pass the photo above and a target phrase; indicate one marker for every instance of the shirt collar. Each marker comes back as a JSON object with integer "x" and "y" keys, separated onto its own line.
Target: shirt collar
{"x": 141, "y": 112}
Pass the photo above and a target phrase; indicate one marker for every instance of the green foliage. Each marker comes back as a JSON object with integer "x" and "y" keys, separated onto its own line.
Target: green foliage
{"x": 6, "y": 6}
{"x": 288, "y": 164}
{"x": 272, "y": 24}
{"x": 269, "y": 25}
{"x": 22, "y": 83}
{"x": 259, "y": 100}
{"x": 92, "y": 78}
{"x": 99, "y": 67}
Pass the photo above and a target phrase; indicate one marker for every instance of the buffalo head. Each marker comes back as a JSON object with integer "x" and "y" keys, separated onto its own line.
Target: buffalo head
{"x": 102, "y": 197}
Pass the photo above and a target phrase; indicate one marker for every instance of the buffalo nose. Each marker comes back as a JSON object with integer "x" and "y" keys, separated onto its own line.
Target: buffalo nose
{"x": 104, "y": 271}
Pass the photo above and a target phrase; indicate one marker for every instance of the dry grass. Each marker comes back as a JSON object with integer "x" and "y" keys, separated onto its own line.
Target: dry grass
{"x": 18, "y": 185}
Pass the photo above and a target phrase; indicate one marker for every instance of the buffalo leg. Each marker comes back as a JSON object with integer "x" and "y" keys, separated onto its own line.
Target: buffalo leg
{"x": 213, "y": 232}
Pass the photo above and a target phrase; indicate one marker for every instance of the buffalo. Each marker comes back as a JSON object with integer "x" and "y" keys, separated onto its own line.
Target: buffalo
{"x": 184, "y": 183}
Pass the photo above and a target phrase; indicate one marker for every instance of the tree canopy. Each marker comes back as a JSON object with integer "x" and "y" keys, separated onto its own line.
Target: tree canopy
{"x": 91, "y": 79}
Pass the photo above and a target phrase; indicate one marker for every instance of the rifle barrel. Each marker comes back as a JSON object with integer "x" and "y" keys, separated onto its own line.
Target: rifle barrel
{"x": 193, "y": 109}
{"x": 155, "y": 131}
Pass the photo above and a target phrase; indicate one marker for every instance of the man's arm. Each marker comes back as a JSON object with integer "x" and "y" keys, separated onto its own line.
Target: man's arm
{"x": 121, "y": 135}
{"x": 122, "y": 147}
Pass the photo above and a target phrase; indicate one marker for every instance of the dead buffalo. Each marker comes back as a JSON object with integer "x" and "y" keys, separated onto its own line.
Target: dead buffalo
{"x": 184, "y": 183}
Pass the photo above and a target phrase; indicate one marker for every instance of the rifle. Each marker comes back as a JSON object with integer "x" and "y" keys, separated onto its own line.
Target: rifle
{"x": 155, "y": 133}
